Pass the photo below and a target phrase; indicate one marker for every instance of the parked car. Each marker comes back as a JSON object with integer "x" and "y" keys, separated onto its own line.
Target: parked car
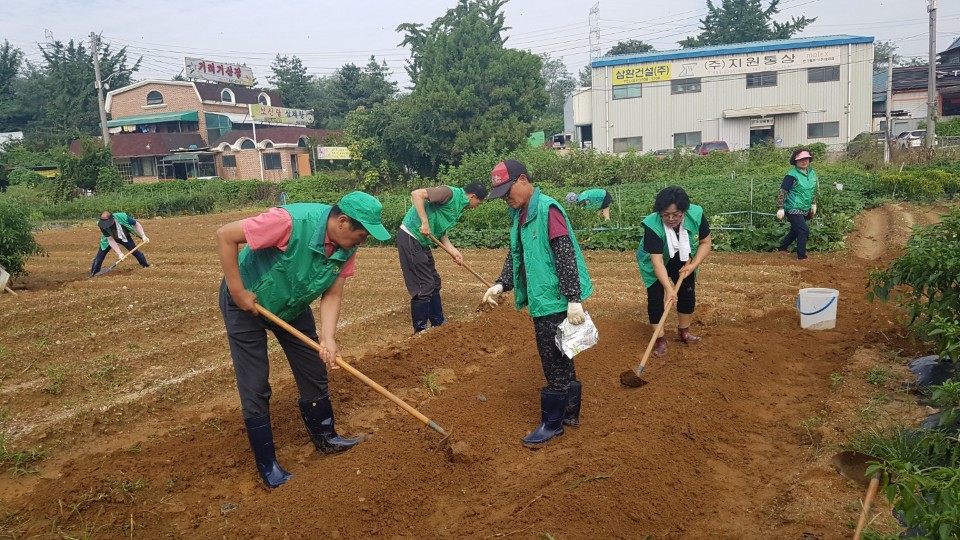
{"x": 705, "y": 148}
{"x": 666, "y": 153}
{"x": 912, "y": 139}
{"x": 866, "y": 141}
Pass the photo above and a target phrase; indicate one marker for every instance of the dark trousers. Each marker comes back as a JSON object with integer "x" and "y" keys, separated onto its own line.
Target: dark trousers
{"x": 129, "y": 244}
{"x": 686, "y": 297}
{"x": 799, "y": 232}
{"x": 557, "y": 368}
{"x": 418, "y": 267}
{"x": 247, "y": 335}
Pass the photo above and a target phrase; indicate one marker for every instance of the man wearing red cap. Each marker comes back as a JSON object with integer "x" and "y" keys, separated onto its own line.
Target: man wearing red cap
{"x": 294, "y": 254}
{"x": 547, "y": 272}
{"x": 797, "y": 201}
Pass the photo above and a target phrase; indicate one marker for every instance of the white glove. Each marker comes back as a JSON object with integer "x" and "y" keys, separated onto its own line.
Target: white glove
{"x": 575, "y": 313}
{"x": 780, "y": 214}
{"x": 145, "y": 239}
{"x": 490, "y": 296}
{"x": 813, "y": 210}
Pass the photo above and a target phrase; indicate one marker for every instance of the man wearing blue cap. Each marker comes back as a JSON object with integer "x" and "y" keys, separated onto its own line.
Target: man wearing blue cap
{"x": 294, "y": 254}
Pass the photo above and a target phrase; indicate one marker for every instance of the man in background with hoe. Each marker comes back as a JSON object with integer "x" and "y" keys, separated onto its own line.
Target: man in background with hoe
{"x": 294, "y": 254}
{"x": 434, "y": 212}
{"x": 546, "y": 270}
{"x": 116, "y": 229}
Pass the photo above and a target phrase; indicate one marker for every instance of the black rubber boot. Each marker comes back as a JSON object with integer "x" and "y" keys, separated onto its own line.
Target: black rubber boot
{"x": 436, "y": 311}
{"x": 571, "y": 416}
{"x": 264, "y": 453}
{"x": 318, "y": 417}
{"x": 553, "y": 405}
{"x": 420, "y": 314}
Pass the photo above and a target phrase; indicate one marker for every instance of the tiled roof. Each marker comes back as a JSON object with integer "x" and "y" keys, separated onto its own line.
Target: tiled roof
{"x": 125, "y": 145}
{"x": 242, "y": 94}
{"x": 278, "y": 135}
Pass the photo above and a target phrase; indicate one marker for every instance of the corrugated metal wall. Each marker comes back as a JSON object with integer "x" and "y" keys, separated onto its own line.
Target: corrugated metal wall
{"x": 658, "y": 114}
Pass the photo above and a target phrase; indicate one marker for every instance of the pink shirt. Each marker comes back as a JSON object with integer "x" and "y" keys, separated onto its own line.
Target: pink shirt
{"x": 272, "y": 229}
{"x": 556, "y": 227}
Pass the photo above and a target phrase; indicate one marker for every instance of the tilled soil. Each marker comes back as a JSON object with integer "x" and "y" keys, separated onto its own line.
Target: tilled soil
{"x": 125, "y": 381}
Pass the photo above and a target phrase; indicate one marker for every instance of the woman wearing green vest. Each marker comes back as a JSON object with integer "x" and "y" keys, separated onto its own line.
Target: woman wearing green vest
{"x": 593, "y": 199}
{"x": 293, "y": 255}
{"x": 676, "y": 240}
{"x": 546, "y": 270}
{"x": 797, "y": 202}
{"x": 434, "y": 211}
{"x": 116, "y": 229}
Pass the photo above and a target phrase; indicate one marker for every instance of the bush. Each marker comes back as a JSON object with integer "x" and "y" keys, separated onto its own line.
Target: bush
{"x": 109, "y": 180}
{"x": 16, "y": 239}
{"x": 26, "y": 177}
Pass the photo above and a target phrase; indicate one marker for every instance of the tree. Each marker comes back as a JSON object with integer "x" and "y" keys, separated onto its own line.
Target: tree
{"x": 11, "y": 63}
{"x": 884, "y": 50}
{"x": 16, "y": 237}
{"x": 468, "y": 88}
{"x": 741, "y": 21}
{"x": 631, "y": 46}
{"x": 559, "y": 85}
{"x": 82, "y": 171}
{"x": 586, "y": 76}
{"x": 290, "y": 78}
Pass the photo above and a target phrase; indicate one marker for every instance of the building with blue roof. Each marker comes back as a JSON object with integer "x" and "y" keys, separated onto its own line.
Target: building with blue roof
{"x": 785, "y": 92}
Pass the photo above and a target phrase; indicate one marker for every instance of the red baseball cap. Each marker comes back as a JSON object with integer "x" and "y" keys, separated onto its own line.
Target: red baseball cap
{"x": 504, "y": 175}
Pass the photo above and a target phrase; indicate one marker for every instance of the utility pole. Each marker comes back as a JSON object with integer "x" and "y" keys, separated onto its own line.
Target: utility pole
{"x": 889, "y": 131}
{"x": 932, "y": 77}
{"x": 95, "y": 52}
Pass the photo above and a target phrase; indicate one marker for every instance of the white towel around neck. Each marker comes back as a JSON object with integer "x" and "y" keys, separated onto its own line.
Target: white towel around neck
{"x": 121, "y": 234}
{"x": 677, "y": 243}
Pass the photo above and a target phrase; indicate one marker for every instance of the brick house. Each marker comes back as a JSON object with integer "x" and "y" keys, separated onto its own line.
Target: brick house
{"x": 164, "y": 130}
{"x": 282, "y": 150}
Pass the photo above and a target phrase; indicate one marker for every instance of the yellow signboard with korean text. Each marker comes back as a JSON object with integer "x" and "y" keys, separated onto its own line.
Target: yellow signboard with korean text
{"x": 281, "y": 115}
{"x": 638, "y": 73}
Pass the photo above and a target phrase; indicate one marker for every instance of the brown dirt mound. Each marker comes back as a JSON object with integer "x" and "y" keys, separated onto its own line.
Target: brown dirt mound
{"x": 146, "y": 439}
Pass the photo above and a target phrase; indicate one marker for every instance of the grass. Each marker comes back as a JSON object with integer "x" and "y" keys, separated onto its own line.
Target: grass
{"x": 21, "y": 463}
{"x": 878, "y": 376}
{"x": 835, "y": 379}
{"x": 808, "y": 426}
{"x": 429, "y": 381}
{"x": 56, "y": 385}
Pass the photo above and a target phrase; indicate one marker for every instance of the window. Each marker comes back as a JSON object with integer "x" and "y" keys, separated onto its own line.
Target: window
{"x": 247, "y": 144}
{"x": 691, "y": 138}
{"x": 823, "y": 130}
{"x": 823, "y": 74}
{"x": 685, "y": 86}
{"x": 627, "y": 144}
{"x": 271, "y": 161}
{"x": 625, "y": 91}
{"x": 764, "y": 78}
{"x": 230, "y": 161}
{"x": 126, "y": 171}
{"x": 226, "y": 95}
{"x": 264, "y": 99}
{"x": 268, "y": 144}
{"x": 154, "y": 98}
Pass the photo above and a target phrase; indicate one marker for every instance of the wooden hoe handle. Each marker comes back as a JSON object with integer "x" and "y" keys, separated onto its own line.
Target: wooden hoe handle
{"x": 445, "y": 248}
{"x": 867, "y": 503}
{"x": 656, "y": 331}
{"x": 351, "y": 370}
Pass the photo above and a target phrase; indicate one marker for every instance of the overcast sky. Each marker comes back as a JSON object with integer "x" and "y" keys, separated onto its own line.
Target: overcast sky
{"x": 326, "y": 35}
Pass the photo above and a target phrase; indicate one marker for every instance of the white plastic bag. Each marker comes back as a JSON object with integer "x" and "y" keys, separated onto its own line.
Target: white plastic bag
{"x": 574, "y": 339}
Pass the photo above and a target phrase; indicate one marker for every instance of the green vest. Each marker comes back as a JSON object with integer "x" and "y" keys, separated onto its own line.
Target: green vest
{"x": 594, "y": 197}
{"x": 286, "y": 282}
{"x": 441, "y": 217}
{"x": 691, "y": 224}
{"x": 801, "y": 196}
{"x": 124, "y": 221}
{"x": 539, "y": 286}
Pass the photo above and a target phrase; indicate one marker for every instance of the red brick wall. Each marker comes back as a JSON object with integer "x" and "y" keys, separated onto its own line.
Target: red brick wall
{"x": 134, "y": 102}
{"x": 248, "y": 165}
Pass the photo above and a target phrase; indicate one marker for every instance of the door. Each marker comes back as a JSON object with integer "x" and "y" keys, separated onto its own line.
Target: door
{"x": 293, "y": 166}
{"x": 761, "y": 136}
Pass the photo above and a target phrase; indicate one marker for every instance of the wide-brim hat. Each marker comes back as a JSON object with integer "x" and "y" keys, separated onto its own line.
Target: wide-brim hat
{"x": 803, "y": 154}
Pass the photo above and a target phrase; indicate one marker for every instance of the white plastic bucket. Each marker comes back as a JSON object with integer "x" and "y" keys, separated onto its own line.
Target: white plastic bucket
{"x": 818, "y": 308}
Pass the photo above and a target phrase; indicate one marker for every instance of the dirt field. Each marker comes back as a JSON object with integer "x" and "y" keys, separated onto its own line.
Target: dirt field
{"x": 125, "y": 382}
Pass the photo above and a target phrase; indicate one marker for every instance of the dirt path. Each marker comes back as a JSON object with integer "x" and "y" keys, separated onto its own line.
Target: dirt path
{"x": 125, "y": 380}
